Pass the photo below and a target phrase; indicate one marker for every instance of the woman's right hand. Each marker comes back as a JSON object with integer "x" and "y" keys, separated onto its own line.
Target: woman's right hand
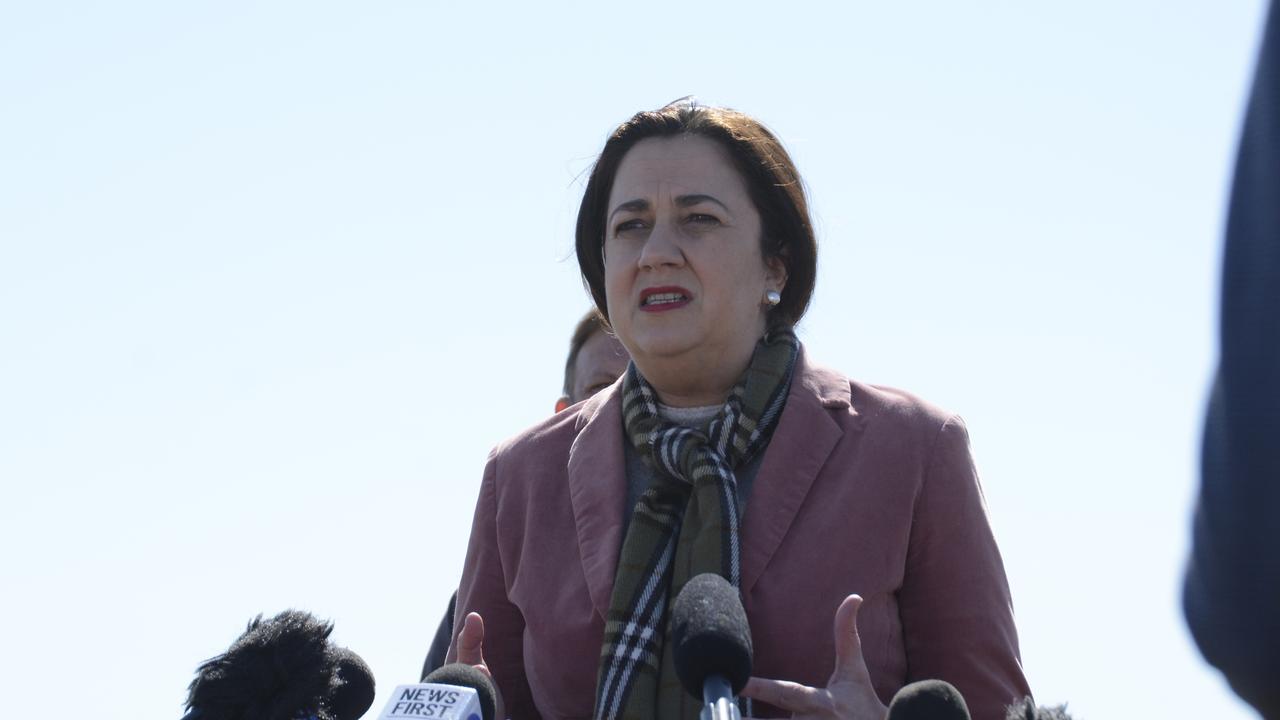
{"x": 470, "y": 645}
{"x": 848, "y": 695}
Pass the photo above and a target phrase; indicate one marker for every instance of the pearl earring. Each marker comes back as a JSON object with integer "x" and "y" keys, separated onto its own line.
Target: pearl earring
{"x": 772, "y": 297}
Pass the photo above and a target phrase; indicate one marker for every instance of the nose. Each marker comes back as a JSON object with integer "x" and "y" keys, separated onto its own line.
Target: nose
{"x": 661, "y": 248}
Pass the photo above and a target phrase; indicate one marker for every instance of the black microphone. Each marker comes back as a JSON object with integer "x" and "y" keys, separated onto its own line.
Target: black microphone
{"x": 284, "y": 668}
{"x": 1026, "y": 709}
{"x": 464, "y": 675}
{"x": 928, "y": 700}
{"x": 456, "y": 690}
{"x": 712, "y": 644}
{"x": 352, "y": 691}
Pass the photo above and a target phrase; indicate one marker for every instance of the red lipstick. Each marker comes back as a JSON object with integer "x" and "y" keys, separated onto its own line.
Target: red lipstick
{"x": 664, "y": 298}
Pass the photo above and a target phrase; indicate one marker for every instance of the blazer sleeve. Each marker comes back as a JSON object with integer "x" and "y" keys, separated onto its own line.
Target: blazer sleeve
{"x": 484, "y": 590}
{"x": 957, "y": 615}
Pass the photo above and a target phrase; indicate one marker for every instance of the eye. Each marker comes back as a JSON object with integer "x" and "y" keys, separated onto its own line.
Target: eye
{"x": 629, "y": 227}
{"x": 702, "y": 219}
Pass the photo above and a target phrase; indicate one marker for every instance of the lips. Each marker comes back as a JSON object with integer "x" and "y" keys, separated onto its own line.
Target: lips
{"x": 659, "y": 299}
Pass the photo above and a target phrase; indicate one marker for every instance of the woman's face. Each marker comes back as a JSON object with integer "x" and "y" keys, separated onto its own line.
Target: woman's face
{"x": 683, "y": 271}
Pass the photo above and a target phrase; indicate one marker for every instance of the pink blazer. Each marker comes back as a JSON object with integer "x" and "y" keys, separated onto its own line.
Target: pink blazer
{"x": 862, "y": 490}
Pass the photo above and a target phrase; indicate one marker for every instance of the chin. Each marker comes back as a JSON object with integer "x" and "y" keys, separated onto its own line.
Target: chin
{"x": 666, "y": 344}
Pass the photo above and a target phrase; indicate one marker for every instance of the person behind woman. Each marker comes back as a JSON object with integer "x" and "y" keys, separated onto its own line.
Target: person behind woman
{"x": 596, "y": 359}
{"x": 725, "y": 449}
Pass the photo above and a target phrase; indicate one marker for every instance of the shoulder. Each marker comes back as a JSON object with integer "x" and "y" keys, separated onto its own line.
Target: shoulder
{"x": 903, "y": 411}
{"x": 550, "y": 441}
{"x": 873, "y": 407}
{"x": 539, "y": 449}
{"x": 556, "y": 431}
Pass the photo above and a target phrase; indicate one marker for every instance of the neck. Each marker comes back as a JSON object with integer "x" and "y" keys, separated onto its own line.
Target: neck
{"x": 692, "y": 379}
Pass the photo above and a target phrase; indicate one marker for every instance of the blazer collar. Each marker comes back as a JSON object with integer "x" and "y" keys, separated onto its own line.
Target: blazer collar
{"x": 806, "y": 434}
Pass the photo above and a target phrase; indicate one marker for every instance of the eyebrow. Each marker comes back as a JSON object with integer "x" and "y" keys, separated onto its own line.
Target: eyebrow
{"x": 640, "y": 204}
{"x": 689, "y": 200}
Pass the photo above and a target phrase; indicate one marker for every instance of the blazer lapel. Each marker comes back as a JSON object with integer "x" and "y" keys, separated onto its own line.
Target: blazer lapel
{"x": 805, "y": 436}
{"x": 597, "y": 491}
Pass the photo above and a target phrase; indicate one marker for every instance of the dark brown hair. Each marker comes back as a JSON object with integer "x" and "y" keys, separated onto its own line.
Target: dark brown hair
{"x": 772, "y": 182}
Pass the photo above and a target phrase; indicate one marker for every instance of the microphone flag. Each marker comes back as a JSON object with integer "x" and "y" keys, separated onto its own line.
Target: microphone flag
{"x": 432, "y": 701}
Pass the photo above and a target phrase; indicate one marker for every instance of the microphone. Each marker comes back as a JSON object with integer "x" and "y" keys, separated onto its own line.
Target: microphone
{"x": 928, "y": 700}
{"x": 284, "y": 668}
{"x": 456, "y": 691}
{"x": 712, "y": 644}
{"x": 352, "y": 689}
{"x": 1026, "y": 709}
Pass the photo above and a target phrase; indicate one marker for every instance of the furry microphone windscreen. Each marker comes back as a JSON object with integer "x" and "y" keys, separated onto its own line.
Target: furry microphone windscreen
{"x": 710, "y": 634}
{"x": 1026, "y": 709}
{"x": 279, "y": 669}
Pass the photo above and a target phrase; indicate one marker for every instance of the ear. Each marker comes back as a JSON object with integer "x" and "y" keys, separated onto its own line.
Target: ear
{"x": 562, "y": 403}
{"x": 775, "y": 273}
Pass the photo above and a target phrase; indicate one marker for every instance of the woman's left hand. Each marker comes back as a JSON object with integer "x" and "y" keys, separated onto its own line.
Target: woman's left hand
{"x": 848, "y": 694}
{"x": 470, "y": 643}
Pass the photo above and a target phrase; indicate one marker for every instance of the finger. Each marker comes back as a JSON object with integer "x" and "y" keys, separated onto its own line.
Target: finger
{"x": 849, "y": 661}
{"x": 471, "y": 640}
{"x": 792, "y": 697}
{"x": 470, "y": 644}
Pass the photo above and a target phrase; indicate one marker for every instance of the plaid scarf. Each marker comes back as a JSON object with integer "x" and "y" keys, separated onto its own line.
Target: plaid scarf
{"x": 686, "y": 523}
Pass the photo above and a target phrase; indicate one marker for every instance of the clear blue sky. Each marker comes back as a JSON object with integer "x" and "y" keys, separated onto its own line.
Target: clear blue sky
{"x": 274, "y": 277}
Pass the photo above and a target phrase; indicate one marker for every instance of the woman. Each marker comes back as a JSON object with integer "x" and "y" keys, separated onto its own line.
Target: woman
{"x": 725, "y": 449}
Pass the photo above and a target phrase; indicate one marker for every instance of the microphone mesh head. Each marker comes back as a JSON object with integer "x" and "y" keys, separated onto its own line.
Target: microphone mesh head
{"x": 928, "y": 700}
{"x": 466, "y": 676}
{"x": 352, "y": 690}
{"x": 710, "y": 634}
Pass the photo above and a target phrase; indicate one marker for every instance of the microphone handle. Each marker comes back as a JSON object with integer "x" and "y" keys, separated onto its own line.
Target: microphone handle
{"x": 718, "y": 701}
